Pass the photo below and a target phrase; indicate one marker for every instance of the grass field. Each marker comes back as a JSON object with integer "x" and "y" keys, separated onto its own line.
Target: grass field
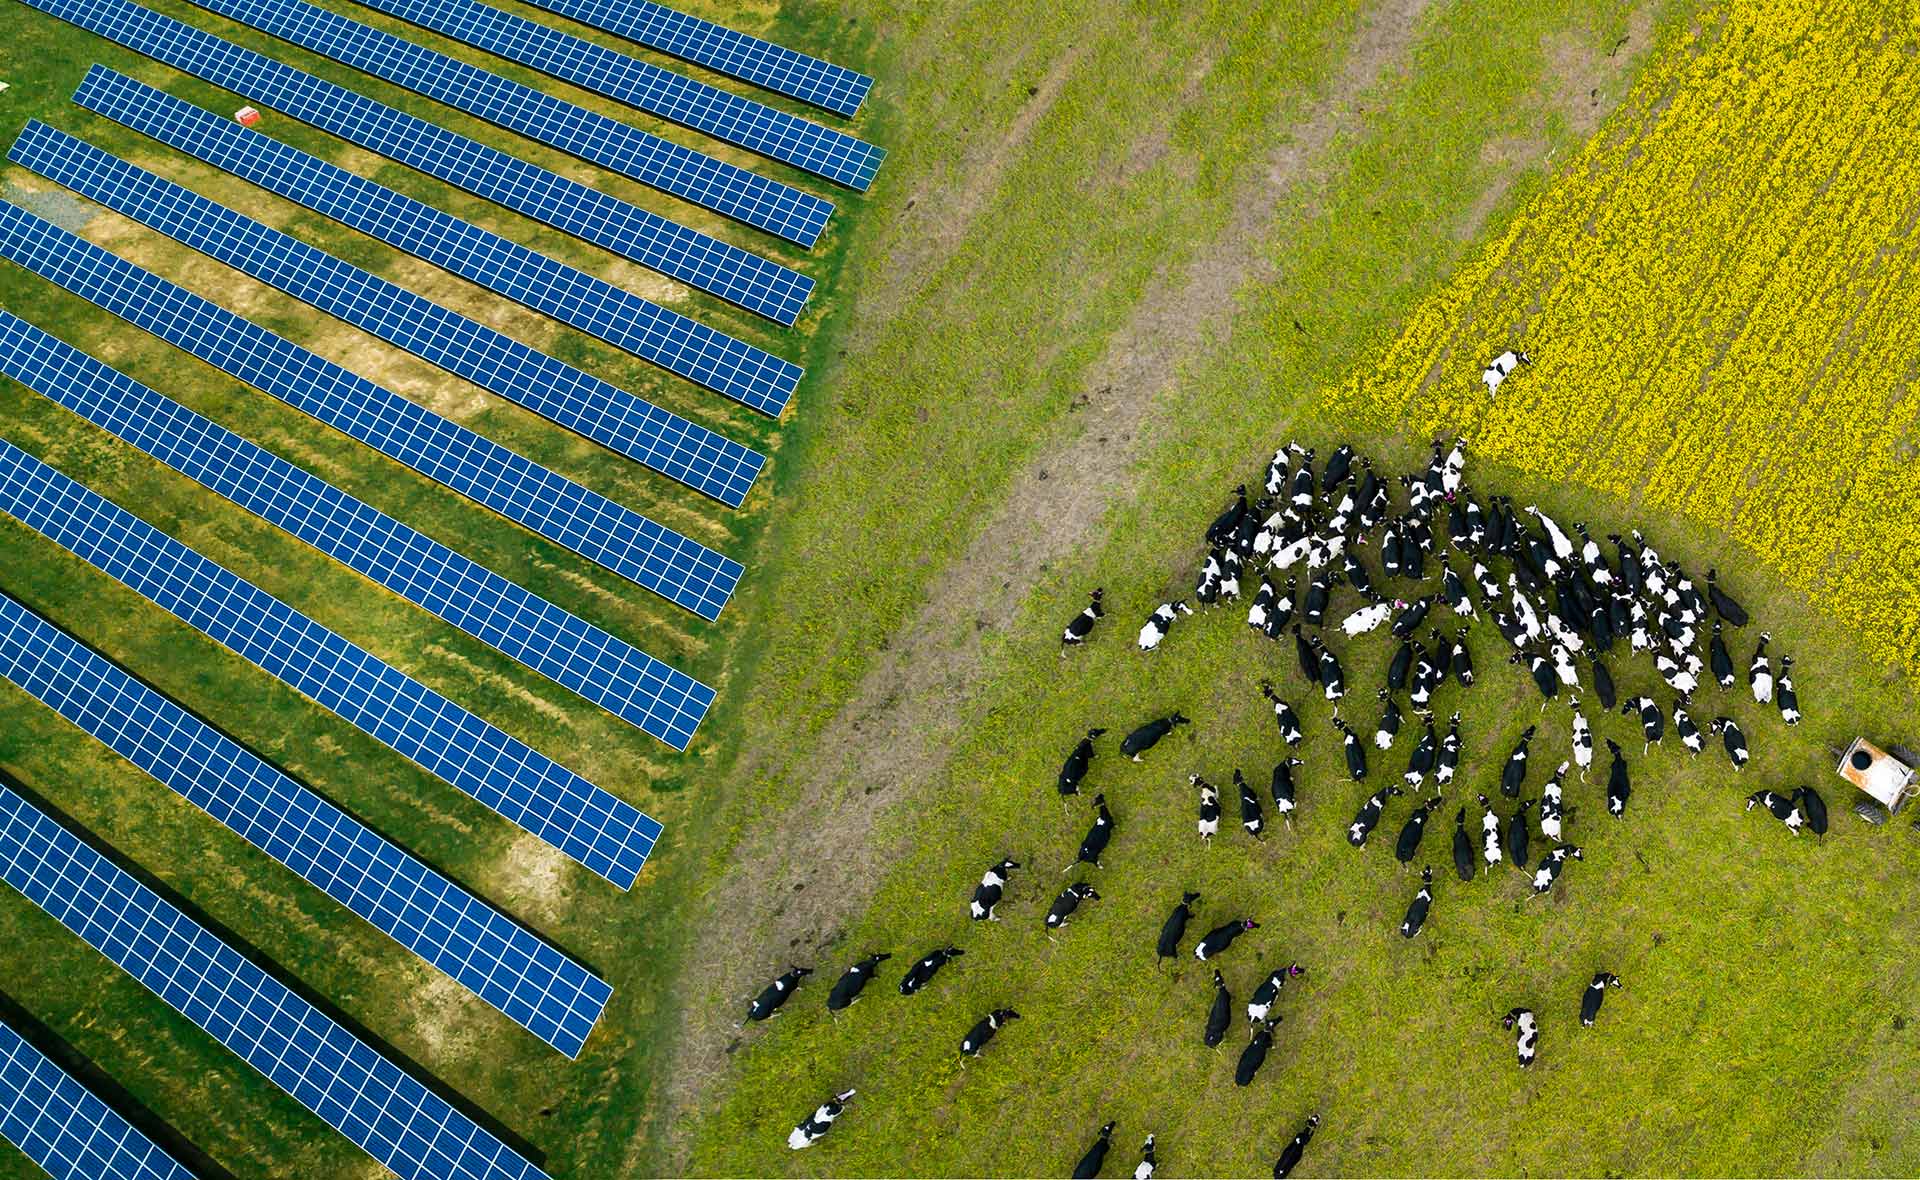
{"x": 1107, "y": 267}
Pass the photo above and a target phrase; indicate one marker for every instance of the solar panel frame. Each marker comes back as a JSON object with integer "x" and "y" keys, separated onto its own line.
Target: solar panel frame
{"x": 723, "y": 50}
{"x": 65, "y": 1128}
{"x": 600, "y": 831}
{"x": 616, "y": 419}
{"x": 382, "y": 1109}
{"x": 516, "y": 622}
{"x": 586, "y": 522}
{"x": 727, "y": 189}
{"x": 529, "y": 981}
{"x": 823, "y": 151}
{"x": 699, "y": 260}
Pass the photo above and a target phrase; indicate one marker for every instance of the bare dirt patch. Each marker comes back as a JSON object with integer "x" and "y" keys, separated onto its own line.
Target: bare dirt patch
{"x": 1585, "y": 81}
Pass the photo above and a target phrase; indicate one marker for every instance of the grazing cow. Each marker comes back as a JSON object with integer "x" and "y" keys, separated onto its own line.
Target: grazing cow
{"x": 992, "y": 887}
{"x": 1255, "y": 1054}
{"x": 1734, "y": 741}
{"x": 1160, "y": 622}
{"x": 1563, "y": 669}
{"x": 1228, "y": 522}
{"x": 1514, "y": 774}
{"x": 1075, "y": 768}
{"x": 1069, "y": 901}
{"x": 1309, "y": 659}
{"x": 1408, "y": 620}
{"x": 767, "y": 1004}
{"x": 1449, "y": 760}
{"x": 1462, "y": 847}
{"x": 1562, "y": 546}
{"x": 1718, "y": 658}
{"x": 921, "y": 973}
{"x": 1252, "y": 817}
{"x": 1462, "y": 659}
{"x": 1261, "y": 614}
{"x": 1453, "y": 588}
{"x": 1333, "y": 682}
{"x": 1295, "y": 1148}
{"x": 1723, "y": 605}
{"x": 1355, "y": 752}
{"x": 1148, "y": 1161}
{"x": 1679, "y": 678}
{"x": 1097, "y": 838}
{"x": 1526, "y": 1031}
{"x": 1283, "y": 715}
{"x": 1268, "y": 992}
{"x": 1417, "y": 909}
{"x": 977, "y": 1037}
{"x": 1220, "y": 1014}
{"x": 1367, "y": 618}
{"x": 1229, "y": 588}
{"x": 1442, "y": 656}
{"x": 1319, "y": 592}
{"x": 1277, "y": 470}
{"x": 853, "y": 982}
{"x": 817, "y": 1124}
{"x": 1782, "y": 807}
{"x": 1389, "y": 727}
{"x": 1454, "y": 469}
{"x": 1301, "y": 492}
{"x": 1369, "y": 816}
{"x": 1499, "y": 367}
{"x": 1489, "y": 833}
{"x": 1689, "y": 732}
{"x": 1619, "y": 788}
{"x": 1517, "y": 831}
{"x": 1425, "y": 677}
{"x": 1595, "y": 995}
{"x": 1420, "y": 759}
{"x": 1760, "y": 673}
{"x": 1221, "y": 937}
{"x": 1283, "y": 790}
{"x": 1090, "y": 1163}
{"x": 1339, "y": 467}
{"x": 1148, "y": 736}
{"x": 1551, "y": 864}
{"x": 1784, "y": 696}
{"x": 1653, "y": 724}
{"x": 1408, "y": 844}
{"x": 1543, "y": 675}
{"x": 1582, "y": 740}
{"x": 1401, "y": 665}
{"x": 1209, "y": 807}
{"x": 1081, "y": 625}
{"x": 1813, "y": 807}
{"x": 1550, "y": 805}
{"x": 1174, "y": 928}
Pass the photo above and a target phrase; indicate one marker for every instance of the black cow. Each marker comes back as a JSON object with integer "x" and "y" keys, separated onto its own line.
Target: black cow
{"x": 1220, "y": 938}
{"x": 1174, "y": 928}
{"x": 922, "y": 972}
{"x": 768, "y": 1003}
{"x": 1255, "y": 1054}
{"x": 1090, "y": 1163}
{"x": 1148, "y": 736}
{"x": 1619, "y": 788}
{"x": 1075, "y": 767}
{"x": 1514, "y": 774}
{"x": 1097, "y": 838}
{"x": 1595, "y": 995}
{"x": 1220, "y": 1015}
{"x": 853, "y": 982}
{"x": 1417, "y": 909}
{"x": 1295, "y": 1148}
{"x": 1408, "y": 845}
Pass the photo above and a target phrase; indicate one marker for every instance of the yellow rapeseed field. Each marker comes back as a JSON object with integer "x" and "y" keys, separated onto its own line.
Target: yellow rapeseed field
{"x": 1720, "y": 299}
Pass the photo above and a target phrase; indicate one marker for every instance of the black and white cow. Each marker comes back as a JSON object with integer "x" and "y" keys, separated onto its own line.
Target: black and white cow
{"x": 1551, "y": 865}
{"x": 1417, "y": 909}
{"x": 1596, "y": 994}
{"x": 1209, "y": 807}
{"x": 1526, "y": 1029}
{"x": 1369, "y": 816}
{"x": 1784, "y": 696}
{"x": 1390, "y": 719}
{"x": 1219, "y": 938}
{"x": 1462, "y": 660}
{"x": 1619, "y": 783}
{"x": 975, "y": 1042}
{"x": 1269, "y": 990}
{"x": 1284, "y": 717}
{"x": 1219, "y": 1013}
{"x": 1514, "y": 774}
{"x": 1148, "y": 1161}
{"x": 1353, "y": 750}
{"x": 1653, "y": 723}
{"x": 772, "y": 997}
{"x": 1449, "y": 760}
{"x": 922, "y": 972}
{"x": 1734, "y": 741}
{"x": 1174, "y": 928}
{"x": 1266, "y": 614}
{"x": 1098, "y": 836}
{"x": 1081, "y": 625}
{"x": 1333, "y": 681}
{"x": 854, "y": 981}
{"x": 1760, "y": 673}
{"x": 1148, "y": 736}
{"x": 1161, "y": 621}
{"x": 1090, "y": 1163}
{"x": 1408, "y": 845}
{"x": 1074, "y": 769}
{"x": 1228, "y": 522}
{"x": 1489, "y": 834}
{"x": 1255, "y": 1054}
{"x": 816, "y": 1125}
{"x": 1582, "y": 740}
{"x": 1782, "y": 807}
{"x": 1252, "y": 817}
{"x": 1421, "y": 758}
{"x": 992, "y": 887}
{"x": 1688, "y": 732}
{"x": 1069, "y": 901}
{"x": 1551, "y": 810}
{"x": 1295, "y": 1148}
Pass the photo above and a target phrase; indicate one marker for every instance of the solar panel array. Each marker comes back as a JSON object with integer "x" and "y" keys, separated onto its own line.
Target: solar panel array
{"x": 647, "y": 238}
{"x": 608, "y": 415}
{"x": 387, "y": 1112}
{"x": 750, "y": 59}
{"x": 61, "y": 1125}
{"x": 712, "y": 184}
{"x": 572, "y": 652}
{"x": 755, "y": 126}
{"x": 536, "y": 986}
{"x": 562, "y": 511}
{"x": 604, "y": 833}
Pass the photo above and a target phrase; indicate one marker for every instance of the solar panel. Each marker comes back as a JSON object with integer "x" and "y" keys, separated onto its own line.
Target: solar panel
{"x": 600, "y": 667}
{"x": 508, "y": 966}
{"x": 712, "y": 184}
{"x": 591, "y": 525}
{"x": 387, "y": 1112}
{"x": 605, "y": 834}
{"x": 750, "y": 59}
{"x": 755, "y": 126}
{"x": 59, "y": 1124}
{"x": 498, "y": 363}
{"x": 593, "y": 216}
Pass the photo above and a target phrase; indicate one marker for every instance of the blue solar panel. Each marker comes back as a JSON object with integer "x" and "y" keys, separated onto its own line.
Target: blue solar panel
{"x": 755, "y": 126}
{"x": 604, "y": 669}
{"x": 587, "y": 213}
{"x": 352, "y": 1088}
{"x": 774, "y": 67}
{"x": 603, "y": 833}
{"x": 495, "y": 362}
{"x": 59, "y": 1124}
{"x": 724, "y": 188}
{"x": 591, "y": 525}
{"x": 504, "y": 964}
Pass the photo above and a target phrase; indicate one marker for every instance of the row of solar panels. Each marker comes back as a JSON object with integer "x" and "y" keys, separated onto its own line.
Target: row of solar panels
{"x": 399, "y": 1121}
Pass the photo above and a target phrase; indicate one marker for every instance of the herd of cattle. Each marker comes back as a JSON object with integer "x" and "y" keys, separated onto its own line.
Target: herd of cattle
{"x": 1564, "y": 607}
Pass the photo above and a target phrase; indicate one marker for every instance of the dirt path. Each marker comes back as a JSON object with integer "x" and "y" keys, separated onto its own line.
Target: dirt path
{"x": 905, "y": 714}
